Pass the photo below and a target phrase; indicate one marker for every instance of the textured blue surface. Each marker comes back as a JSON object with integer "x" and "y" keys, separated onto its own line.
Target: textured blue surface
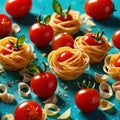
{"x": 44, "y": 7}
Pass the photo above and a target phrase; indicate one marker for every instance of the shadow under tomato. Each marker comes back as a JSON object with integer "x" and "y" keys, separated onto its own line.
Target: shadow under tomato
{"x": 112, "y": 22}
{"x": 28, "y": 20}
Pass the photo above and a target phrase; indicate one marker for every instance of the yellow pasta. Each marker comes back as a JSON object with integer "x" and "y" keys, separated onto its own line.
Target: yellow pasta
{"x": 17, "y": 59}
{"x": 71, "y": 68}
{"x": 71, "y": 26}
{"x": 110, "y": 68}
{"x": 96, "y": 53}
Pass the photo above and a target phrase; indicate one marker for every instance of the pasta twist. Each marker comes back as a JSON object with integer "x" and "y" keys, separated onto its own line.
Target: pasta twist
{"x": 71, "y": 68}
{"x": 71, "y": 26}
{"x": 17, "y": 59}
{"x": 96, "y": 53}
{"x": 110, "y": 69}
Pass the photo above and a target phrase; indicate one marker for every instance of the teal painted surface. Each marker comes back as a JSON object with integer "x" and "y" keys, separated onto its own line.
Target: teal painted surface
{"x": 44, "y": 7}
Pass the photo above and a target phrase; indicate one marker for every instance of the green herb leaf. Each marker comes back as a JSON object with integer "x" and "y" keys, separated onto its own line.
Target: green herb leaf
{"x": 33, "y": 68}
{"x": 47, "y": 19}
{"x": 20, "y": 41}
{"x": 57, "y": 7}
{"x": 68, "y": 10}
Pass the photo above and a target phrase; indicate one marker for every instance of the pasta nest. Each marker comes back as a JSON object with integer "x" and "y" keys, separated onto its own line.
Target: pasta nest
{"x": 96, "y": 53}
{"x": 71, "y": 68}
{"x": 110, "y": 69}
{"x": 17, "y": 59}
{"x": 71, "y": 26}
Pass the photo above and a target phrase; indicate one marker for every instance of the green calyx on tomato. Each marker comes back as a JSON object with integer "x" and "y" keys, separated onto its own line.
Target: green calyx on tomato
{"x": 58, "y": 9}
{"x": 11, "y": 46}
{"x": 94, "y": 39}
{"x": 45, "y": 21}
{"x": 36, "y": 69}
{"x": 87, "y": 84}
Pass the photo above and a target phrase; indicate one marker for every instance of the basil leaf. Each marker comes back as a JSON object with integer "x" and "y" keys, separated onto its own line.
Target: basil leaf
{"x": 20, "y": 41}
{"x": 57, "y": 7}
{"x": 33, "y": 68}
{"x": 68, "y": 10}
{"x": 47, "y": 19}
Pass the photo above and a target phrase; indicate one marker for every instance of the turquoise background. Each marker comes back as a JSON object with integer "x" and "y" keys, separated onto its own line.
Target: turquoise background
{"x": 44, "y": 7}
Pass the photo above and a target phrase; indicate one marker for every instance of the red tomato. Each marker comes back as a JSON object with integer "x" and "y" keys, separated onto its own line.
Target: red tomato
{"x": 9, "y": 47}
{"x": 28, "y": 110}
{"x": 18, "y": 8}
{"x": 115, "y": 60}
{"x": 99, "y": 9}
{"x": 44, "y": 84}
{"x": 92, "y": 41}
{"x": 5, "y": 25}
{"x": 116, "y": 39}
{"x": 41, "y": 34}
{"x": 87, "y": 100}
{"x": 62, "y": 39}
{"x": 64, "y": 56}
{"x": 63, "y": 19}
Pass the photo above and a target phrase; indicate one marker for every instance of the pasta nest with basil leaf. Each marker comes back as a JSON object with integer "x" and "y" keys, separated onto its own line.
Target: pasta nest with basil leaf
{"x": 95, "y": 52}
{"x": 72, "y": 67}
{"x": 18, "y": 57}
{"x": 67, "y": 24}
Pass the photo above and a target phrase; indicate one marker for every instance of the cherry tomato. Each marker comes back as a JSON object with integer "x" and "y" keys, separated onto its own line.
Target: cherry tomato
{"x": 115, "y": 60}
{"x": 87, "y": 100}
{"x": 116, "y": 39}
{"x": 6, "y": 51}
{"x": 64, "y": 56}
{"x": 90, "y": 40}
{"x": 63, "y": 19}
{"x": 28, "y": 110}
{"x": 44, "y": 84}
{"x": 5, "y": 25}
{"x": 99, "y": 9}
{"x": 18, "y": 8}
{"x": 62, "y": 39}
{"x": 41, "y": 34}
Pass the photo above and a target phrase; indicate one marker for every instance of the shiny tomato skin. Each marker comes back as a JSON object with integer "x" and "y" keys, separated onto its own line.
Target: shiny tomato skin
{"x": 87, "y": 100}
{"x": 91, "y": 41}
{"x": 41, "y": 34}
{"x": 64, "y": 56}
{"x": 8, "y": 46}
{"x": 63, "y": 19}
{"x": 18, "y": 8}
{"x": 44, "y": 84}
{"x": 28, "y": 110}
{"x": 99, "y": 9}
{"x": 61, "y": 40}
{"x": 5, "y": 25}
{"x": 116, "y": 38}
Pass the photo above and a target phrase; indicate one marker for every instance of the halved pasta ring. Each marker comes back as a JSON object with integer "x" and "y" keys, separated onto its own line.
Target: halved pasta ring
{"x": 101, "y": 77}
{"x": 21, "y": 86}
{"x": 116, "y": 86}
{"x": 106, "y": 105}
{"x": 54, "y": 111}
{"x": 3, "y": 88}
{"x": 7, "y": 117}
{"x": 117, "y": 94}
{"x": 105, "y": 90}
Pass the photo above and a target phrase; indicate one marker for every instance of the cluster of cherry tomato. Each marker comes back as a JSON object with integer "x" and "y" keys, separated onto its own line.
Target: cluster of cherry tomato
{"x": 41, "y": 35}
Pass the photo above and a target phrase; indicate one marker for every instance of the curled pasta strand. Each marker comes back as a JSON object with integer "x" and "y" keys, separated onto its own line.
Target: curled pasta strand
{"x": 105, "y": 90}
{"x": 21, "y": 86}
{"x": 92, "y": 51}
{"x": 71, "y": 68}
{"x": 17, "y": 59}
{"x": 8, "y": 117}
{"x": 71, "y": 26}
{"x": 3, "y": 88}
